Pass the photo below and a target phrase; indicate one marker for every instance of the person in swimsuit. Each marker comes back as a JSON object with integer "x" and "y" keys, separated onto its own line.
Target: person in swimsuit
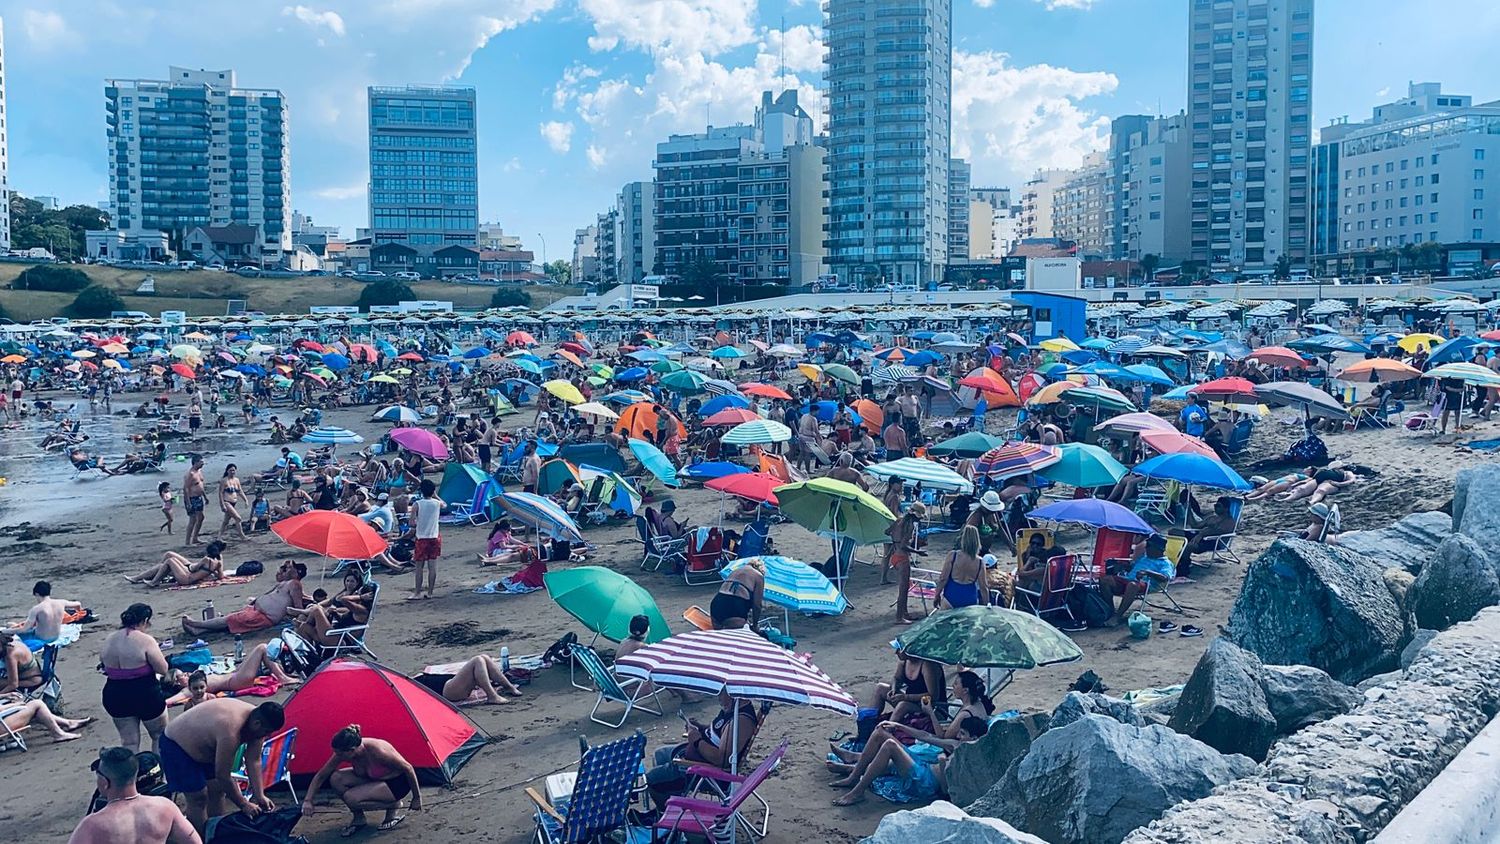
{"x": 1281, "y": 484}
{"x": 164, "y": 492}
{"x": 130, "y": 816}
{"x": 231, "y": 495}
{"x": 182, "y": 571}
{"x": 903, "y": 534}
{"x": 132, "y": 662}
{"x": 1323, "y": 483}
{"x": 198, "y": 752}
{"x": 710, "y": 744}
{"x": 378, "y": 778}
{"x": 194, "y": 497}
{"x": 741, "y": 597}
{"x": 922, "y": 766}
{"x": 478, "y": 672}
{"x": 987, "y": 516}
{"x": 961, "y": 582}
{"x": 23, "y": 671}
{"x": 20, "y": 713}
{"x": 351, "y": 607}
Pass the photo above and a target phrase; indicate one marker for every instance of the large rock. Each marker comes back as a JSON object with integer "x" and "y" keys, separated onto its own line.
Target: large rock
{"x": 1077, "y": 704}
{"x": 978, "y": 765}
{"x": 1095, "y": 780}
{"x": 1419, "y": 640}
{"x": 1248, "y": 812}
{"x": 1223, "y": 704}
{"x": 945, "y": 823}
{"x": 1304, "y": 603}
{"x": 1405, "y": 543}
{"x": 1299, "y": 695}
{"x": 1476, "y": 503}
{"x": 1456, "y": 583}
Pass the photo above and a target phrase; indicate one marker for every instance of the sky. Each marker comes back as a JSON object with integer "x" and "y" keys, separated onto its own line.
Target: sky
{"x": 574, "y": 94}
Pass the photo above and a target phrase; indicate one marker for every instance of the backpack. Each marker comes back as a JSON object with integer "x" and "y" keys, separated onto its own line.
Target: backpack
{"x": 149, "y": 779}
{"x": 249, "y": 568}
{"x": 267, "y": 828}
{"x": 1089, "y": 605}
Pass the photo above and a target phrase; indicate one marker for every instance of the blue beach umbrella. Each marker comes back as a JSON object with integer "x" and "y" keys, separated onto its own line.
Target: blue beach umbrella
{"x": 1150, "y": 374}
{"x": 1194, "y": 470}
{"x": 718, "y": 403}
{"x": 707, "y": 471}
{"x": 795, "y": 585}
{"x": 1095, "y": 512}
{"x": 654, "y": 461}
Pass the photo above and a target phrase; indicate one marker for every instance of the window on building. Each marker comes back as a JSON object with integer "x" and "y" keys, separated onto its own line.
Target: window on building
{"x": 1478, "y": 214}
{"x": 1421, "y": 160}
{"x": 1478, "y": 155}
{"x": 1416, "y": 238}
{"x": 1478, "y": 235}
{"x": 1478, "y": 175}
{"x": 1434, "y": 159}
{"x": 1433, "y": 217}
{"x": 1479, "y": 193}
{"x": 1418, "y": 219}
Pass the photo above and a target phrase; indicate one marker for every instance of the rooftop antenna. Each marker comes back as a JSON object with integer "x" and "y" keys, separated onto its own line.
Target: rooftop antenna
{"x": 783, "y": 51}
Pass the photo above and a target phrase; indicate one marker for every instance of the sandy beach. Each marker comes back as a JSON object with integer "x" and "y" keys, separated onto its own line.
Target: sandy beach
{"x": 82, "y": 535}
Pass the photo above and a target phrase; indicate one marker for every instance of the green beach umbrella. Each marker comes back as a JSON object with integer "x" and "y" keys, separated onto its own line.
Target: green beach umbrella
{"x": 605, "y": 601}
{"x": 840, "y": 372}
{"x": 1084, "y": 465}
{"x": 824, "y": 505}
{"x": 972, "y": 444}
{"x": 666, "y": 367}
{"x": 685, "y": 381}
{"x": 988, "y": 637}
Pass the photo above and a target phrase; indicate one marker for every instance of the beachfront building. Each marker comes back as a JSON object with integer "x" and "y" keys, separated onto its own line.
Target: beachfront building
{"x": 424, "y": 167}
{"x": 1038, "y": 197}
{"x": 1249, "y": 106}
{"x": 586, "y": 255}
{"x": 959, "y": 248}
{"x": 1423, "y": 169}
{"x": 5, "y": 153}
{"x": 888, "y": 69}
{"x": 636, "y": 246}
{"x": 1153, "y": 196}
{"x": 606, "y": 246}
{"x": 196, "y": 150}
{"x": 1080, "y": 207}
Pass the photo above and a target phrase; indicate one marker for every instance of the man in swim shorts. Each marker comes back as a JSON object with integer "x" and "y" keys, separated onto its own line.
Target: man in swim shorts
{"x": 198, "y": 752}
{"x": 264, "y": 611}
{"x": 194, "y": 496}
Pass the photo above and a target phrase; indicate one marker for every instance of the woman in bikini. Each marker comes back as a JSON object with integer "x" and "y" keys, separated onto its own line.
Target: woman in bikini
{"x": 741, "y": 597}
{"x": 23, "y": 671}
{"x": 231, "y": 495}
{"x": 349, "y": 608}
{"x": 132, "y": 662}
{"x": 378, "y": 778}
{"x": 480, "y": 672}
{"x": 961, "y": 582}
{"x": 1323, "y": 483}
{"x": 182, "y": 571}
{"x": 1281, "y": 484}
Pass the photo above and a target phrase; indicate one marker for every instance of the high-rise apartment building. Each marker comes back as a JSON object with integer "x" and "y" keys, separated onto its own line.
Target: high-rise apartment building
{"x": 1250, "y": 71}
{"x": 1038, "y": 197}
{"x": 888, "y": 69}
{"x": 1080, "y": 209}
{"x": 697, "y": 200}
{"x": 959, "y": 175}
{"x": 637, "y": 233}
{"x": 992, "y": 223}
{"x": 1154, "y": 192}
{"x": 424, "y": 166}
{"x": 196, "y": 150}
{"x": 4, "y": 152}
{"x": 607, "y": 226}
{"x": 586, "y": 255}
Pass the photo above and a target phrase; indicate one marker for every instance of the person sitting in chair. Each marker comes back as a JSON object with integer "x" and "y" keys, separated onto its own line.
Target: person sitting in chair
{"x": 1152, "y": 567}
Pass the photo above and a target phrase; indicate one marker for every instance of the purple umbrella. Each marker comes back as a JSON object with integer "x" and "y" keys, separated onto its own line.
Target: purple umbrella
{"x": 421, "y": 441}
{"x": 1095, "y": 512}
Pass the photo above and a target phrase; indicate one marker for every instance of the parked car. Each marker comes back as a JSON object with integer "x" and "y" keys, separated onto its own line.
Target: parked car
{"x": 348, "y": 274}
{"x": 248, "y": 272}
{"x": 407, "y": 275}
{"x": 373, "y": 274}
{"x": 215, "y": 267}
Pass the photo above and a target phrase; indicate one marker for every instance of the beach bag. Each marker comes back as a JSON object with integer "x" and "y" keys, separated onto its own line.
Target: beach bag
{"x": 191, "y": 660}
{"x": 296, "y": 655}
{"x": 249, "y": 568}
{"x": 149, "y": 779}
{"x": 1140, "y": 625}
{"x": 266, "y": 828}
{"x": 1089, "y": 605}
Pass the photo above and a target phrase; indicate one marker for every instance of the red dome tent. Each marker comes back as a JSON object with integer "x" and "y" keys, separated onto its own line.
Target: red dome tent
{"x": 427, "y": 730}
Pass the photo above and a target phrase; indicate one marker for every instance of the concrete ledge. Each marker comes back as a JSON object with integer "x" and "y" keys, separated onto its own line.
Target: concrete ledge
{"x": 1460, "y": 805}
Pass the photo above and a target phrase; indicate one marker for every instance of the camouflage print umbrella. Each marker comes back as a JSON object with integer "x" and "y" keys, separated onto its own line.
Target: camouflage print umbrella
{"x": 988, "y": 637}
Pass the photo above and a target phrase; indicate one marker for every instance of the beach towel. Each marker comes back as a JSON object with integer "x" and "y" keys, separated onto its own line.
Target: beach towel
{"x": 227, "y": 580}
{"x": 67, "y": 635}
{"x": 1483, "y": 445}
{"x": 264, "y": 687}
{"x": 528, "y": 579}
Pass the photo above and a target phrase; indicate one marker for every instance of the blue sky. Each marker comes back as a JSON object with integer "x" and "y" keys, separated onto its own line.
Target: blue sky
{"x": 573, "y": 94}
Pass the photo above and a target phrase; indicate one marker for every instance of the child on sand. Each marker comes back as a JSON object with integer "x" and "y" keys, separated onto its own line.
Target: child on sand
{"x": 164, "y": 492}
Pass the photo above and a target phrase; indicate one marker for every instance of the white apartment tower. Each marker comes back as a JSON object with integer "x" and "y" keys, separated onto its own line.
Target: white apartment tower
{"x": 1250, "y": 65}
{"x": 4, "y": 152}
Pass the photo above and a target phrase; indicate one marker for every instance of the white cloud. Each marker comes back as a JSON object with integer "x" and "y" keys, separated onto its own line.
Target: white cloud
{"x": 354, "y": 190}
{"x": 45, "y": 29}
{"x": 673, "y": 27}
{"x": 1052, "y": 5}
{"x": 595, "y": 156}
{"x": 511, "y": 166}
{"x": 1009, "y": 121}
{"x": 802, "y": 47}
{"x": 332, "y": 21}
{"x": 558, "y": 135}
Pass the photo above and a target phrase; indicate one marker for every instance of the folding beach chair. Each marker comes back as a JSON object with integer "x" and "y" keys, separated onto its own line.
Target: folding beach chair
{"x": 612, "y": 689}
{"x": 351, "y": 640}
{"x": 1222, "y": 549}
{"x": 1161, "y": 585}
{"x": 659, "y": 548}
{"x": 586, "y": 806}
{"x": 10, "y": 738}
{"x": 684, "y": 816}
{"x": 50, "y": 687}
{"x": 275, "y": 764}
{"x": 924, "y": 588}
{"x": 704, "y": 556}
{"x": 1057, "y": 584}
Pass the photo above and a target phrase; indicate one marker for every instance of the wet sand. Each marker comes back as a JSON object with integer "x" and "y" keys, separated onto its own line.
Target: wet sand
{"x": 83, "y": 535}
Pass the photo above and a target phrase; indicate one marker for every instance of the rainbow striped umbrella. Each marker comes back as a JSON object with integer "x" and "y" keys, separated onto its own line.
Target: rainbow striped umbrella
{"x": 795, "y": 585}
{"x": 1013, "y": 459}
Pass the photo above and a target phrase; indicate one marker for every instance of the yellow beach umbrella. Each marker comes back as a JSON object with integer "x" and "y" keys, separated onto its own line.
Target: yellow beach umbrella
{"x": 1412, "y": 342}
{"x": 1059, "y": 344}
{"x": 811, "y": 370}
{"x": 563, "y": 390}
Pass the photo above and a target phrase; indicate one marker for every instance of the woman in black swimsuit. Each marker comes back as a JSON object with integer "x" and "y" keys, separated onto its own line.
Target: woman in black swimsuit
{"x": 132, "y": 661}
{"x": 741, "y": 597}
{"x": 23, "y": 671}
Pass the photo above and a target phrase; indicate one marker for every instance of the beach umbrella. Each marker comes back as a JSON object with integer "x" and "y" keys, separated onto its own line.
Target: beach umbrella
{"x": 1019, "y": 458}
{"x": 1150, "y": 374}
{"x": 765, "y": 391}
{"x": 794, "y": 585}
{"x": 728, "y": 352}
{"x": 752, "y": 486}
{"x": 784, "y": 350}
{"x": 1127, "y": 345}
{"x": 596, "y": 410}
{"x": 1194, "y": 470}
{"x": 13, "y": 358}
{"x": 184, "y": 370}
{"x": 411, "y": 356}
{"x": 929, "y": 474}
{"x": 420, "y": 441}
{"x": 840, "y": 372}
{"x": 634, "y": 373}
{"x": 335, "y": 361}
{"x": 542, "y": 513}
{"x": 605, "y": 601}
{"x": 757, "y": 432}
{"x": 720, "y": 387}
{"x": 667, "y": 367}
{"x": 1469, "y": 373}
{"x": 1411, "y": 343}
{"x": 396, "y": 413}
{"x": 1457, "y": 350}
{"x": 1311, "y": 400}
{"x": 686, "y": 381}
{"x": 476, "y": 353}
{"x": 1328, "y": 343}
{"x": 569, "y": 357}
{"x": 731, "y": 416}
{"x": 251, "y": 369}
{"x": 185, "y": 351}
{"x": 83, "y": 354}
{"x": 1379, "y": 370}
{"x": 1094, "y": 512}
{"x": 1278, "y": 356}
{"x": 894, "y": 354}
{"x": 1084, "y": 465}
{"x": 603, "y": 370}
{"x": 896, "y": 373}
{"x": 869, "y": 414}
{"x": 330, "y": 533}
{"x": 520, "y": 338}
{"x": 383, "y": 379}
{"x": 709, "y": 470}
{"x": 1226, "y": 389}
{"x": 811, "y": 371}
{"x": 654, "y": 461}
{"x": 1176, "y": 442}
{"x": 1058, "y": 344}
{"x": 832, "y": 506}
{"x": 530, "y": 366}
{"x": 988, "y": 637}
{"x": 718, "y": 403}
{"x": 1103, "y": 398}
{"x": 111, "y": 363}
{"x": 563, "y": 390}
{"x": 332, "y": 436}
{"x": 972, "y": 444}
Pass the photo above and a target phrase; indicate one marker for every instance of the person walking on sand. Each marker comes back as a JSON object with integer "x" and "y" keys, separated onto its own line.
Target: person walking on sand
{"x": 130, "y": 816}
{"x": 198, "y": 753}
{"x": 164, "y": 492}
{"x": 231, "y": 495}
{"x": 194, "y": 497}
{"x": 429, "y": 544}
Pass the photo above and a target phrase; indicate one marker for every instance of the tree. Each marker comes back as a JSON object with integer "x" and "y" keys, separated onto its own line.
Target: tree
{"x": 386, "y": 291}
{"x": 1149, "y": 265}
{"x": 505, "y": 297}
{"x": 95, "y": 302}
{"x": 51, "y": 277}
{"x": 62, "y": 232}
{"x": 560, "y": 271}
{"x": 1283, "y": 267}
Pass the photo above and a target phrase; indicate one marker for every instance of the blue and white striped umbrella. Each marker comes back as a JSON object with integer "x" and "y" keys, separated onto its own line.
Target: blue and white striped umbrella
{"x": 896, "y": 372}
{"x": 397, "y": 413}
{"x": 926, "y": 472}
{"x": 334, "y": 436}
{"x": 757, "y": 432}
{"x": 795, "y": 585}
{"x": 720, "y": 387}
{"x": 542, "y": 513}
{"x": 1127, "y": 345}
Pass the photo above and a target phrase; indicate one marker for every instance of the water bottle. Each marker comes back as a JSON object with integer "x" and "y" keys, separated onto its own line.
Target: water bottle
{"x": 505, "y": 659}
{"x": 239, "y": 648}
{"x": 208, "y": 610}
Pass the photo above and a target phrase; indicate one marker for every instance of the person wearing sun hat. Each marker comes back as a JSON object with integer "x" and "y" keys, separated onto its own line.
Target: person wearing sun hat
{"x": 986, "y": 515}
{"x": 1325, "y": 523}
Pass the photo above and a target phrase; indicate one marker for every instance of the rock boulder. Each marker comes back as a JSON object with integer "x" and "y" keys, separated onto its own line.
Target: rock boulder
{"x": 1299, "y": 695}
{"x": 1405, "y": 543}
{"x": 1078, "y": 704}
{"x": 1223, "y": 704}
{"x": 977, "y": 766}
{"x": 946, "y": 823}
{"x": 1095, "y": 780}
{"x": 1303, "y": 603}
{"x": 1476, "y": 503}
{"x": 1419, "y": 640}
{"x": 1457, "y": 582}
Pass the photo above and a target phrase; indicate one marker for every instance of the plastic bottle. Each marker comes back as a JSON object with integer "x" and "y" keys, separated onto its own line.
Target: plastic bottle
{"x": 239, "y": 648}
{"x": 505, "y": 659}
{"x": 208, "y": 610}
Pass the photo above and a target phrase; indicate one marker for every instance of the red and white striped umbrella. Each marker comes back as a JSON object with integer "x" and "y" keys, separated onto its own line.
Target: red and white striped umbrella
{"x": 739, "y": 662}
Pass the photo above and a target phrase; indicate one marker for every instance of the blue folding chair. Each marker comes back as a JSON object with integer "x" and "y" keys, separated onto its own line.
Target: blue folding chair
{"x": 276, "y": 756}
{"x": 596, "y": 800}
{"x": 611, "y": 689}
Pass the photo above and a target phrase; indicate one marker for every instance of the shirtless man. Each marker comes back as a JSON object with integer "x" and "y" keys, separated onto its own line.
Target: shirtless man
{"x": 198, "y": 751}
{"x": 194, "y": 497}
{"x": 44, "y": 623}
{"x": 843, "y": 470}
{"x": 130, "y": 817}
{"x": 265, "y": 611}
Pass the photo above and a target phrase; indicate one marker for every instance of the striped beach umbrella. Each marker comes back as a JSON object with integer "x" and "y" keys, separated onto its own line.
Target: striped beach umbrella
{"x": 1469, "y": 373}
{"x": 720, "y": 387}
{"x": 795, "y": 585}
{"x": 757, "y": 432}
{"x": 1127, "y": 345}
{"x": 929, "y": 474}
{"x": 332, "y": 436}
{"x": 1134, "y": 423}
{"x": 396, "y": 413}
{"x": 542, "y": 513}
{"x": 1013, "y": 459}
{"x": 896, "y": 372}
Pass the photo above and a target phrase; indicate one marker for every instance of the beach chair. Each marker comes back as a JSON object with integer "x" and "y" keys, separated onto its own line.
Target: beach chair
{"x": 1155, "y": 500}
{"x": 698, "y": 617}
{"x": 1222, "y": 549}
{"x": 587, "y": 805}
{"x": 475, "y": 511}
{"x": 776, "y": 464}
{"x": 1161, "y": 585}
{"x": 351, "y": 640}
{"x": 659, "y": 548}
{"x": 924, "y": 588}
{"x": 755, "y": 540}
{"x": 611, "y": 689}
{"x": 1239, "y": 437}
{"x": 695, "y": 816}
{"x": 1426, "y": 422}
{"x": 703, "y": 556}
{"x": 10, "y": 738}
{"x": 1057, "y": 584}
{"x": 275, "y": 764}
